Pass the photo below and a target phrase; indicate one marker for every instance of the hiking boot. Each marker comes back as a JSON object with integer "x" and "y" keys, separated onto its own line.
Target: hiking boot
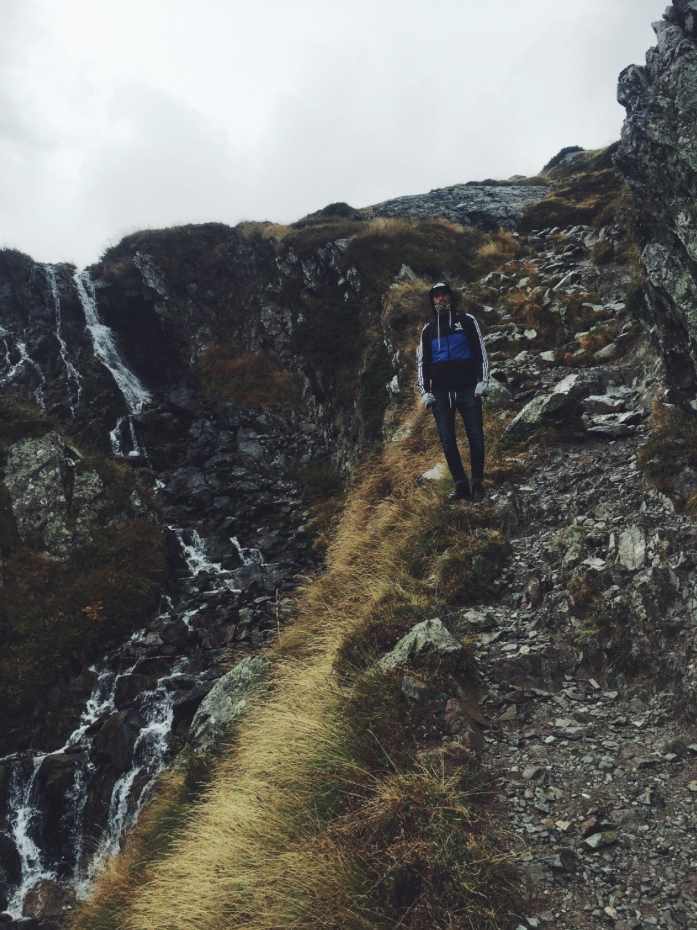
{"x": 478, "y": 493}
{"x": 461, "y": 492}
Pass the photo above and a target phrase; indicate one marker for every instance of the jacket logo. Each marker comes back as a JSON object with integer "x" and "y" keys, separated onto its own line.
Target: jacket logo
{"x": 458, "y": 327}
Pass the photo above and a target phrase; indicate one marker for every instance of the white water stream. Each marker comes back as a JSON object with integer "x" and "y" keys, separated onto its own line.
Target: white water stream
{"x": 73, "y": 374}
{"x": 149, "y": 758}
{"x": 24, "y": 359}
{"x": 134, "y": 393}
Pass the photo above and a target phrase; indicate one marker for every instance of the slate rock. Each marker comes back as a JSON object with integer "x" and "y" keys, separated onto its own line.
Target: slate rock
{"x": 227, "y": 701}
{"x": 600, "y": 840}
{"x": 427, "y": 638}
{"x": 10, "y": 864}
{"x": 129, "y": 687}
{"x": 544, "y": 411}
{"x": 47, "y": 899}
{"x": 117, "y": 738}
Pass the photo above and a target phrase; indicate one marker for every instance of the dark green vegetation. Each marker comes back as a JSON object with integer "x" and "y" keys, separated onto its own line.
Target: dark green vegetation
{"x": 55, "y": 616}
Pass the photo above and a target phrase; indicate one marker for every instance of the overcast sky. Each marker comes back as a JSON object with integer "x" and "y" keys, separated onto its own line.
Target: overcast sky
{"x": 117, "y": 115}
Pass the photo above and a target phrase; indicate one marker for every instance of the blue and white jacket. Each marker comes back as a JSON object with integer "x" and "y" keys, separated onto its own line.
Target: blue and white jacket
{"x": 451, "y": 354}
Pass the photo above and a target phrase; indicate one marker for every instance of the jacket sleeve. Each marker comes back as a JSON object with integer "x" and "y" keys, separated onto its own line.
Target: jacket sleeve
{"x": 423, "y": 362}
{"x": 483, "y": 373}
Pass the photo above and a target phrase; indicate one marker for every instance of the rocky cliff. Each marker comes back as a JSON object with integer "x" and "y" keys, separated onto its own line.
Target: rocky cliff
{"x": 658, "y": 158}
{"x": 176, "y": 430}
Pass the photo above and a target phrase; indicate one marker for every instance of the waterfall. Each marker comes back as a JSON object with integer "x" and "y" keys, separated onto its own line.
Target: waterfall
{"x": 198, "y": 561}
{"x": 150, "y": 756}
{"x": 248, "y": 556}
{"x": 22, "y": 802}
{"x": 134, "y": 393}
{"x": 24, "y": 359}
{"x": 73, "y": 374}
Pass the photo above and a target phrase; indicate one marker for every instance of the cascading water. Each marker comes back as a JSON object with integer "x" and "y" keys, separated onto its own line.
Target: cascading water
{"x": 73, "y": 374}
{"x": 80, "y": 856}
{"x": 198, "y": 561}
{"x": 23, "y": 803}
{"x": 16, "y": 367}
{"x": 149, "y": 757}
{"x": 248, "y": 556}
{"x": 135, "y": 395}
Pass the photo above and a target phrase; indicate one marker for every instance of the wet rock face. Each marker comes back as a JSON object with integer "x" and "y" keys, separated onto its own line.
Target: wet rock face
{"x": 657, "y": 158}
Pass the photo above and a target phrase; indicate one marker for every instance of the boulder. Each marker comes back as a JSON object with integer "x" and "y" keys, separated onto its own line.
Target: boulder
{"x": 227, "y": 702}
{"x": 427, "y": 638}
{"x": 183, "y": 401}
{"x": 47, "y": 899}
{"x": 632, "y": 548}
{"x": 36, "y": 480}
{"x": 499, "y": 395}
{"x": 128, "y": 687}
{"x": 116, "y": 739}
{"x": 56, "y": 799}
{"x": 544, "y": 411}
{"x": 581, "y": 384}
{"x": 437, "y": 473}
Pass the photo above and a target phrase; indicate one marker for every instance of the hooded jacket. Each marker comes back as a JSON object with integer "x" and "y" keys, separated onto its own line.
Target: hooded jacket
{"x": 451, "y": 354}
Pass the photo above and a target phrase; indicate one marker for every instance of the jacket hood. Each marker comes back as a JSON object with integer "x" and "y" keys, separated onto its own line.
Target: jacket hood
{"x": 438, "y": 286}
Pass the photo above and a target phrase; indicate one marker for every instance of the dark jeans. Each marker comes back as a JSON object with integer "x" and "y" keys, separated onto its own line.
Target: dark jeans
{"x": 470, "y": 409}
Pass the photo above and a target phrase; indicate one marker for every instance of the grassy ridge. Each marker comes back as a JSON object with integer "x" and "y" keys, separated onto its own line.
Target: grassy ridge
{"x": 327, "y": 810}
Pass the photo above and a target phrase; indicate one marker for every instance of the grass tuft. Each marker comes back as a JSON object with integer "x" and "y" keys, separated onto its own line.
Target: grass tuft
{"x": 254, "y": 379}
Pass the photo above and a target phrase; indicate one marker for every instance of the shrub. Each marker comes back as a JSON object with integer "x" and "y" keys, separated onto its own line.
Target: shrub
{"x": 251, "y": 378}
{"x": 671, "y": 447}
{"x": 590, "y": 199}
{"x": 603, "y": 252}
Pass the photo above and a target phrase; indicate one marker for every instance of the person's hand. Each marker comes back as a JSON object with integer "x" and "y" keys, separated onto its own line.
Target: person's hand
{"x": 428, "y": 400}
{"x": 482, "y": 389}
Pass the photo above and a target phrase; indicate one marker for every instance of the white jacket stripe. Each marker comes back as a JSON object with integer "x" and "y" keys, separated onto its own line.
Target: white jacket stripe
{"x": 420, "y": 362}
{"x": 485, "y": 358}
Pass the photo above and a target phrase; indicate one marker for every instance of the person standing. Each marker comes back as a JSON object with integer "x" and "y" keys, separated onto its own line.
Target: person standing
{"x": 453, "y": 371}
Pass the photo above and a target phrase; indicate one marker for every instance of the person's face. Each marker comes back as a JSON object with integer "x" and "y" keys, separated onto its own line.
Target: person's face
{"x": 441, "y": 299}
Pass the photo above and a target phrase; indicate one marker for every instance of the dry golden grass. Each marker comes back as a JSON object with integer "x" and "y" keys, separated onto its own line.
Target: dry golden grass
{"x": 499, "y": 248}
{"x": 251, "y": 378}
{"x": 321, "y": 814}
{"x": 251, "y": 228}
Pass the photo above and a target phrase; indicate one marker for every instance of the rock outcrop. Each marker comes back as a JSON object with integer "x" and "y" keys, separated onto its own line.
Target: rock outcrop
{"x": 52, "y": 505}
{"x": 227, "y": 701}
{"x": 483, "y": 206}
{"x": 658, "y": 158}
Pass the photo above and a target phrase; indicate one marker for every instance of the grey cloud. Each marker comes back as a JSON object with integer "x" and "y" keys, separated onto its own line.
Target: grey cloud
{"x": 357, "y": 103}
